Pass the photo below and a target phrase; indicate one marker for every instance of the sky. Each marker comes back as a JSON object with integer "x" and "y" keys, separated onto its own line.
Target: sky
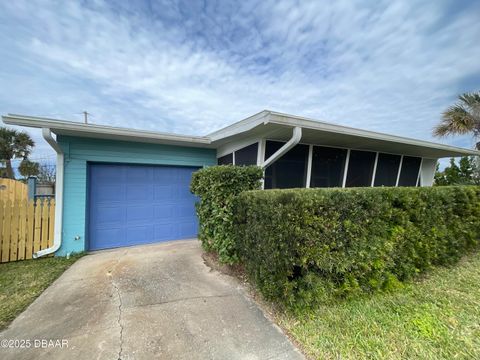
{"x": 192, "y": 67}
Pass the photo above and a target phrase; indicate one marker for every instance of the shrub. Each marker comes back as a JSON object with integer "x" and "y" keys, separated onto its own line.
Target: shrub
{"x": 303, "y": 246}
{"x": 217, "y": 186}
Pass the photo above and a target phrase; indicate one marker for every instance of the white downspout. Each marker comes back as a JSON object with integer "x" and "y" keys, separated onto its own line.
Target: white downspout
{"x": 57, "y": 239}
{"x": 296, "y": 136}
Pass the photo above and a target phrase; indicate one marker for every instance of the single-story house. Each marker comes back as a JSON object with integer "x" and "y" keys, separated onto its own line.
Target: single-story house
{"x": 120, "y": 187}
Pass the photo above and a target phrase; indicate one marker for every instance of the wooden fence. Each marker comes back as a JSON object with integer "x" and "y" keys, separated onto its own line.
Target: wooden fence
{"x": 26, "y": 226}
{"x": 13, "y": 190}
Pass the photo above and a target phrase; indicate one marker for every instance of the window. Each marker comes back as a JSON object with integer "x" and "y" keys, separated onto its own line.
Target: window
{"x": 328, "y": 165}
{"x": 360, "y": 168}
{"x": 387, "y": 170}
{"x": 409, "y": 173}
{"x": 290, "y": 171}
{"x": 225, "y": 160}
{"x": 247, "y": 155}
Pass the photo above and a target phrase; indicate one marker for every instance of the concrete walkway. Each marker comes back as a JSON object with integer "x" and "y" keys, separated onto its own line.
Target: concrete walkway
{"x": 149, "y": 302}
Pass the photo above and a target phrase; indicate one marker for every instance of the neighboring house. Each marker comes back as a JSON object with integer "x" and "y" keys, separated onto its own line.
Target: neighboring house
{"x": 40, "y": 189}
{"x": 121, "y": 187}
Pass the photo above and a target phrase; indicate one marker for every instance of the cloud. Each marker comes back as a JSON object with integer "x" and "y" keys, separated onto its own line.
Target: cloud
{"x": 192, "y": 67}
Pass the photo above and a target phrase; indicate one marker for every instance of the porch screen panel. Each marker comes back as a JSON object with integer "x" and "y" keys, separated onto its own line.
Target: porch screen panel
{"x": 360, "y": 168}
{"x": 409, "y": 173}
{"x": 247, "y": 155}
{"x": 290, "y": 171}
{"x": 225, "y": 160}
{"x": 328, "y": 165}
{"x": 387, "y": 170}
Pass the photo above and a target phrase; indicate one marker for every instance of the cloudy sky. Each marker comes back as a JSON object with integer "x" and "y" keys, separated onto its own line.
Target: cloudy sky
{"x": 192, "y": 66}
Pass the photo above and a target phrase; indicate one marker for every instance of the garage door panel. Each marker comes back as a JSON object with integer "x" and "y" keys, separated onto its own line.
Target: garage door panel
{"x": 143, "y": 213}
{"x": 142, "y": 175}
{"x": 110, "y": 174}
{"x": 187, "y": 228}
{"x": 139, "y": 234}
{"x": 164, "y": 213}
{"x": 165, "y": 175}
{"x": 165, "y": 231}
{"x": 164, "y": 192}
{"x": 135, "y": 204}
{"x": 108, "y": 193}
{"x": 112, "y": 236}
{"x": 109, "y": 214}
{"x": 184, "y": 210}
{"x": 139, "y": 192}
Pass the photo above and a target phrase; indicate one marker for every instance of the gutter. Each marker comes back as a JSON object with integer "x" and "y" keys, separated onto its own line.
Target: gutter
{"x": 57, "y": 238}
{"x": 296, "y": 137}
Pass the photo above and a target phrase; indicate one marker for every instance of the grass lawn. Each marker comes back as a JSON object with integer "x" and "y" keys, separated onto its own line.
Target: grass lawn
{"x": 22, "y": 282}
{"x": 437, "y": 317}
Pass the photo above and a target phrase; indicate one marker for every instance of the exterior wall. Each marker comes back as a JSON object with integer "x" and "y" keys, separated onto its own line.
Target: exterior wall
{"x": 427, "y": 171}
{"x": 79, "y": 151}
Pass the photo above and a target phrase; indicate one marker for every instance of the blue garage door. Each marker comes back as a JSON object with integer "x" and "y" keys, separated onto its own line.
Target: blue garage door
{"x": 135, "y": 204}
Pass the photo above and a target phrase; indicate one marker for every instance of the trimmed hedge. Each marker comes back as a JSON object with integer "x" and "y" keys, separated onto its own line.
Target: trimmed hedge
{"x": 217, "y": 187}
{"x": 306, "y": 246}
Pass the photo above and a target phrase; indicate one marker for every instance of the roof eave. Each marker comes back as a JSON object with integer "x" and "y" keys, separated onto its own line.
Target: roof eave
{"x": 284, "y": 119}
{"x": 108, "y": 132}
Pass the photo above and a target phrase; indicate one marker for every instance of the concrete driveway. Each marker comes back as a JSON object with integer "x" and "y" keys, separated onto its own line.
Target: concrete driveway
{"x": 149, "y": 302}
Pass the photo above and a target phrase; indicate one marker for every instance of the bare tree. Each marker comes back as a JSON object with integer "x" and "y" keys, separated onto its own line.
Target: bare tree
{"x": 47, "y": 174}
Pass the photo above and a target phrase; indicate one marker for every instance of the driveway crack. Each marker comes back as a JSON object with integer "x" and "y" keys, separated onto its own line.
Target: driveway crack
{"x": 185, "y": 299}
{"x": 119, "y": 319}
{"x": 120, "y": 305}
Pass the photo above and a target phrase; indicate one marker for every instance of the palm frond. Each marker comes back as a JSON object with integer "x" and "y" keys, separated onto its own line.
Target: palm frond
{"x": 456, "y": 120}
{"x": 471, "y": 101}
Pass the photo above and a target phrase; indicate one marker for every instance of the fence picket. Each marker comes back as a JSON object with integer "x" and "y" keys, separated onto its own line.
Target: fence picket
{"x": 22, "y": 229}
{"x": 30, "y": 230}
{"x": 51, "y": 222}
{"x": 45, "y": 214}
{"x": 37, "y": 227}
{"x": 6, "y": 231}
{"x": 14, "y": 231}
{"x": 2, "y": 205}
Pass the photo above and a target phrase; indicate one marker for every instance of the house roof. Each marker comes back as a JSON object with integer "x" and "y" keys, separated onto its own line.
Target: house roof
{"x": 269, "y": 124}
{"x": 278, "y": 126}
{"x": 63, "y": 127}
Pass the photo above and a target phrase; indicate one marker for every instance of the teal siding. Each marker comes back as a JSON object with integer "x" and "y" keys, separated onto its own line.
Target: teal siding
{"x": 79, "y": 151}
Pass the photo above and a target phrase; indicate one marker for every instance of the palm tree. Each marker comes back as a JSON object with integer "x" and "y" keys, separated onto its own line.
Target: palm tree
{"x": 14, "y": 144}
{"x": 28, "y": 168}
{"x": 462, "y": 118}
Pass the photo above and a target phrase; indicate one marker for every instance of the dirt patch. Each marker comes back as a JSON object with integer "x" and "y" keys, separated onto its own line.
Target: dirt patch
{"x": 211, "y": 260}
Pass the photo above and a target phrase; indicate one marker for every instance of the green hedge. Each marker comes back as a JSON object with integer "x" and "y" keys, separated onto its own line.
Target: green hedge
{"x": 217, "y": 187}
{"x": 306, "y": 246}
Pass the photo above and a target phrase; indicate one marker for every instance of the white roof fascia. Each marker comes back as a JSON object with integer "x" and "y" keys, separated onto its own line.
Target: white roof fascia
{"x": 240, "y": 126}
{"x": 291, "y": 120}
{"x": 60, "y": 125}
